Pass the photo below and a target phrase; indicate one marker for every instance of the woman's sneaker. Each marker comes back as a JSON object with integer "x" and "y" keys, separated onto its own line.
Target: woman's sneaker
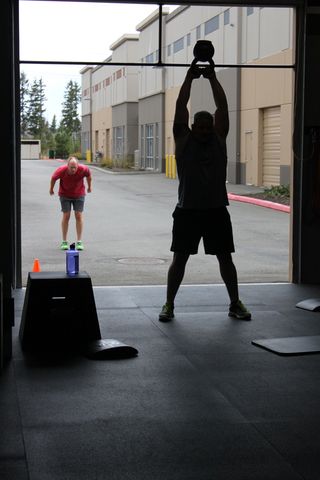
{"x": 166, "y": 313}
{"x": 238, "y": 310}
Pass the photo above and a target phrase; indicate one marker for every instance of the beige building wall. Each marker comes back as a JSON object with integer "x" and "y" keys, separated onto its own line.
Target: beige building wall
{"x": 102, "y": 132}
{"x": 239, "y": 35}
{"x": 151, "y": 80}
{"x": 262, "y": 89}
{"x": 170, "y": 106}
{"x": 113, "y": 85}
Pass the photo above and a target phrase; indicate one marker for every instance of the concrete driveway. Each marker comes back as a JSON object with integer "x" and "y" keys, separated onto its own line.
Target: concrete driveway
{"x": 127, "y": 231}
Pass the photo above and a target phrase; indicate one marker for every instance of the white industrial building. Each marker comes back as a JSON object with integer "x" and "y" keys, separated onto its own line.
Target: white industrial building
{"x": 128, "y": 110}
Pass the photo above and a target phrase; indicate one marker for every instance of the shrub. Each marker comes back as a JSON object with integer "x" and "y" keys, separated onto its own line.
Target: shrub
{"x": 106, "y": 163}
{"x": 78, "y": 155}
{"x": 278, "y": 190}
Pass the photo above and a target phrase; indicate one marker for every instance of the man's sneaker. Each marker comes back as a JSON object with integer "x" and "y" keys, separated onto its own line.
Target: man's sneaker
{"x": 166, "y": 313}
{"x": 79, "y": 245}
{"x": 238, "y": 310}
{"x": 64, "y": 245}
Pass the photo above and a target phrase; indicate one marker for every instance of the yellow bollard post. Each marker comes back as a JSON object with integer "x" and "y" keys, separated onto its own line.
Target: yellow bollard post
{"x": 167, "y": 165}
{"x": 171, "y": 166}
{"x": 88, "y": 156}
{"x": 174, "y": 167}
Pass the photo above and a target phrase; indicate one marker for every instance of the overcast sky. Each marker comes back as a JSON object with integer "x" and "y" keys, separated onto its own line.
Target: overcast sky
{"x": 68, "y": 31}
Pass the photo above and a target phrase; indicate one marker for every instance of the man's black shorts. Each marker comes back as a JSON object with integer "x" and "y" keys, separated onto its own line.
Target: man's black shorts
{"x": 213, "y": 225}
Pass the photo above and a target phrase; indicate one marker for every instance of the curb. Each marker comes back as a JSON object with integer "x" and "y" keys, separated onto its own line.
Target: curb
{"x": 259, "y": 202}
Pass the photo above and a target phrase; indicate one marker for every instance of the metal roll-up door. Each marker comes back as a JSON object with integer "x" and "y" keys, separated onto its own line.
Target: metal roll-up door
{"x": 271, "y": 146}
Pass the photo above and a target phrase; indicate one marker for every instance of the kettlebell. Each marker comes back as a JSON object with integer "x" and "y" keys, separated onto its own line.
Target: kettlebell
{"x": 203, "y": 51}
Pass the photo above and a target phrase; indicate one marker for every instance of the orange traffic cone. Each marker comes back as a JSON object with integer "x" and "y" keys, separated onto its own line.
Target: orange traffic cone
{"x": 36, "y": 265}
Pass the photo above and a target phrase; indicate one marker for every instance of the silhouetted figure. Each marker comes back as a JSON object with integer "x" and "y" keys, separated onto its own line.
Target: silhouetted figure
{"x": 72, "y": 194}
{"x": 201, "y": 211}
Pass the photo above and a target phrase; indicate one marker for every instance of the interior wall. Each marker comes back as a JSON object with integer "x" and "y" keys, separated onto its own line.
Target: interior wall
{"x": 310, "y": 207}
{"x": 10, "y": 188}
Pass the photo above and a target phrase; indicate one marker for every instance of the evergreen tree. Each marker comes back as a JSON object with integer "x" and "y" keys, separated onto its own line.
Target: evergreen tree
{"x": 70, "y": 121}
{"x": 63, "y": 142}
{"x": 24, "y": 102}
{"x": 70, "y": 117}
{"x": 36, "y": 109}
{"x": 66, "y": 138}
{"x": 47, "y": 138}
{"x": 53, "y": 126}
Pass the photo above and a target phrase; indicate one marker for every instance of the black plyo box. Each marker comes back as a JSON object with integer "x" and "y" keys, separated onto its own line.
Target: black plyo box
{"x": 59, "y": 312}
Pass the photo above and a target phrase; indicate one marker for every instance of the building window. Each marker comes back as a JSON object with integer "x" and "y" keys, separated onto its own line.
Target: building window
{"x": 198, "y": 32}
{"x": 118, "y": 143}
{"x": 96, "y": 140}
{"x": 250, "y": 11}
{"x": 226, "y": 17}
{"x": 149, "y": 58}
{"x": 188, "y": 39}
{"x": 211, "y": 25}
{"x": 169, "y": 50}
{"x": 150, "y": 145}
{"x": 178, "y": 45}
{"x": 142, "y": 142}
{"x": 157, "y": 143}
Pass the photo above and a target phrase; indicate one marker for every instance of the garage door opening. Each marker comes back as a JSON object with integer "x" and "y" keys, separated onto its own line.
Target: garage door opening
{"x": 127, "y": 230}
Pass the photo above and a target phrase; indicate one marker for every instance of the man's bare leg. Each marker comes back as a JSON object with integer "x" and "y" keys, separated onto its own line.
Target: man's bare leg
{"x": 65, "y": 225}
{"x": 79, "y": 225}
{"x": 175, "y": 275}
{"x": 229, "y": 275}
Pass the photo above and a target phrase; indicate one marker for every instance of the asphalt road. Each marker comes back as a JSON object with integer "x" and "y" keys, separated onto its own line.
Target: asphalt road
{"x": 127, "y": 231}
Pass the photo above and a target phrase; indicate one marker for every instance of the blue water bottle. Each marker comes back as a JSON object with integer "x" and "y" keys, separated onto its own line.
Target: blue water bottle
{"x": 72, "y": 260}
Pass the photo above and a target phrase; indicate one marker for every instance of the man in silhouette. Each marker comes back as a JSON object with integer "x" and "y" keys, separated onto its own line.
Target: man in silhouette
{"x": 72, "y": 194}
{"x": 201, "y": 211}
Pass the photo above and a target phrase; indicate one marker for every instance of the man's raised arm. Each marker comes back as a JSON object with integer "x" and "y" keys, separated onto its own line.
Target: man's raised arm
{"x": 182, "y": 114}
{"x": 221, "y": 118}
